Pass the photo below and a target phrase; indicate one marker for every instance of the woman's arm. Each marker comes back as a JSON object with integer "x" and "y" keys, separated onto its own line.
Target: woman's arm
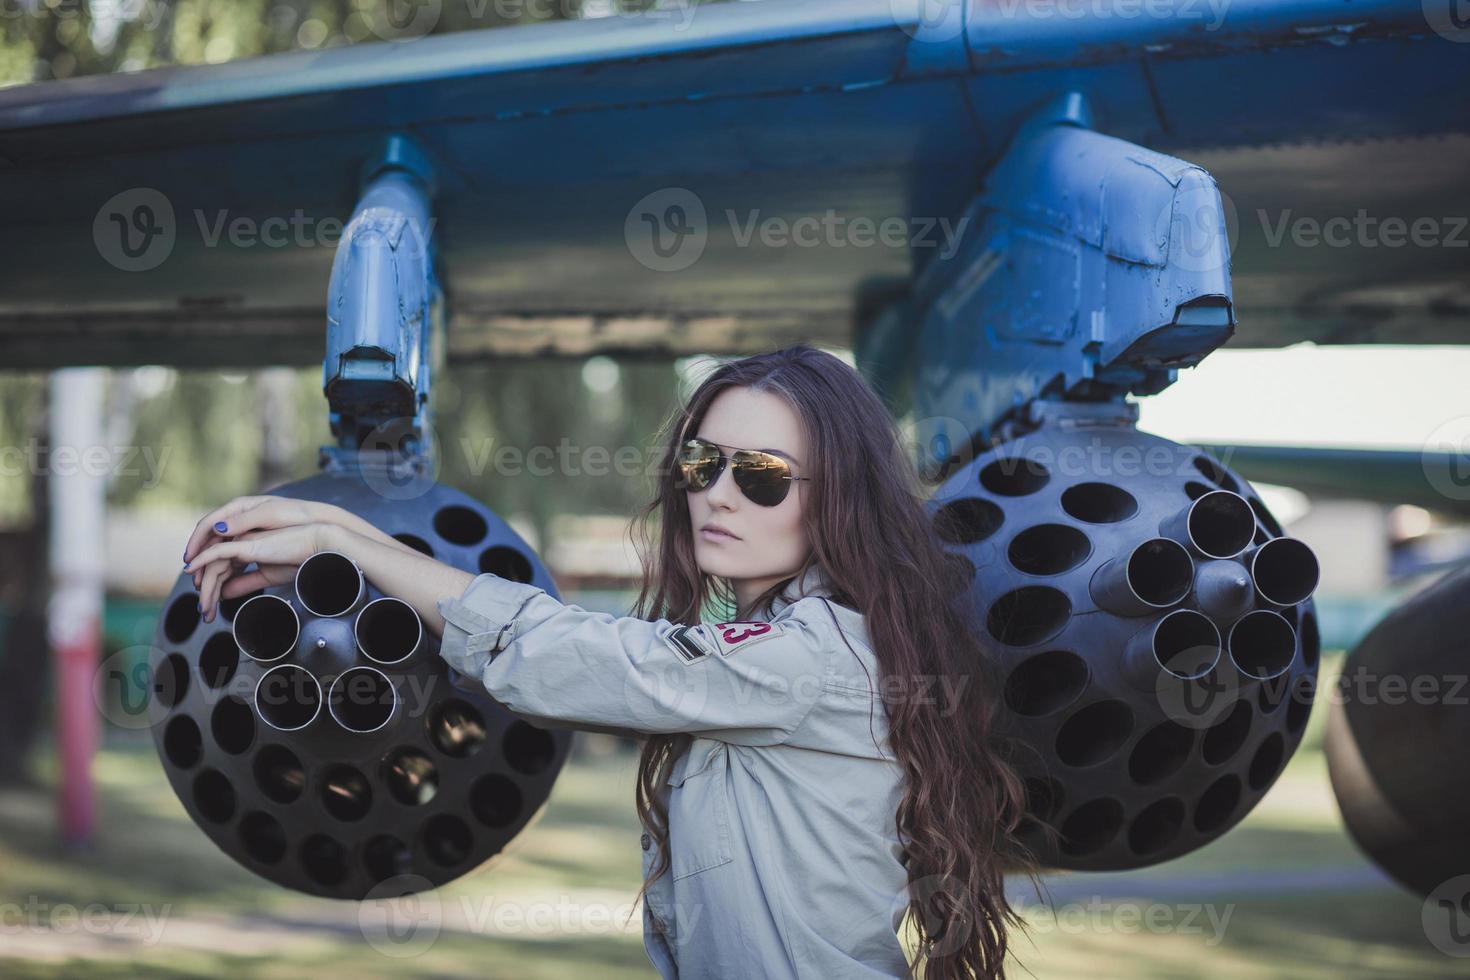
{"x": 246, "y": 518}
{"x": 748, "y": 683}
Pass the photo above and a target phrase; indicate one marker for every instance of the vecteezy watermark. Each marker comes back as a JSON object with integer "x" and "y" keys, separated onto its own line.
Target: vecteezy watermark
{"x": 929, "y": 21}
{"x": 1445, "y": 458}
{"x": 402, "y": 20}
{"x": 134, "y": 230}
{"x": 141, "y": 686}
{"x": 676, "y": 685}
{"x": 401, "y": 916}
{"x": 1097, "y": 459}
{"x": 831, "y": 230}
{"x": 1206, "y": 701}
{"x": 137, "y": 230}
{"x": 1097, "y": 915}
{"x": 33, "y": 459}
{"x": 1199, "y": 702}
{"x": 1363, "y": 230}
{"x": 943, "y": 20}
{"x": 1450, "y": 19}
{"x": 408, "y": 20}
{"x": 562, "y": 916}
{"x": 1359, "y": 685}
{"x": 679, "y": 14}
{"x": 1200, "y": 225}
{"x": 133, "y": 920}
{"x": 1445, "y": 916}
{"x": 669, "y": 229}
{"x": 680, "y": 684}
{"x": 400, "y": 459}
{"x": 1209, "y": 13}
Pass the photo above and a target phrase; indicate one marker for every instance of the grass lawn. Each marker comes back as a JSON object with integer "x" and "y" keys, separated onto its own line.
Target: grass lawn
{"x": 1284, "y": 894}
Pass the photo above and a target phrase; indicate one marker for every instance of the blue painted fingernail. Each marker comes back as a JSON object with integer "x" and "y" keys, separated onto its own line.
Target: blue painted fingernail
{"x": 221, "y": 526}
{"x": 198, "y": 607}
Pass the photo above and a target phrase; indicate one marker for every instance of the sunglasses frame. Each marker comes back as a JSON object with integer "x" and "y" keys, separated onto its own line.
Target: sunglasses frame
{"x": 739, "y": 460}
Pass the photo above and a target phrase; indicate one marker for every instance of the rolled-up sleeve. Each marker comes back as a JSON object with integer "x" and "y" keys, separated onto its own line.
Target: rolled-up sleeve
{"x": 751, "y": 683}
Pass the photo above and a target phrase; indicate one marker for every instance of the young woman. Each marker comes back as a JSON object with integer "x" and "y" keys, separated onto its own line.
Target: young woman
{"x": 812, "y": 769}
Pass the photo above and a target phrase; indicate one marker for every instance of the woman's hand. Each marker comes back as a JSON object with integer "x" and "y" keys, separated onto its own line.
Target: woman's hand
{"x": 279, "y": 533}
{"x": 264, "y": 518}
{"x": 243, "y": 515}
{"x": 277, "y": 553}
{"x": 264, "y": 512}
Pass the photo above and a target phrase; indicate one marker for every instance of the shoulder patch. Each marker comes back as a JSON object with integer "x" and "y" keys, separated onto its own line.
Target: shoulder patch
{"x": 737, "y": 635}
{"x": 690, "y": 643}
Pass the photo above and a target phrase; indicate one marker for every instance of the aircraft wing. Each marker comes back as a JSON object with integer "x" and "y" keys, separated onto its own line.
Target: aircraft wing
{"x": 798, "y": 127}
{"x": 1433, "y": 478}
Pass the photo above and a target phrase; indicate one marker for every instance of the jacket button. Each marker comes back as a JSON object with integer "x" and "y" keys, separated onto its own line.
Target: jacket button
{"x": 646, "y": 841}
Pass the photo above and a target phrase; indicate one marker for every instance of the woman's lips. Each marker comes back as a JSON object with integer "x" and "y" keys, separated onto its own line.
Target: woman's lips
{"x": 710, "y": 535}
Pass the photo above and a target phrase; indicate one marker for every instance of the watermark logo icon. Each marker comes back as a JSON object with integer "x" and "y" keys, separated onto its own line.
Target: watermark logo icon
{"x": 404, "y": 20}
{"x": 1450, "y": 19}
{"x": 1200, "y": 226}
{"x": 1445, "y": 916}
{"x": 667, "y": 231}
{"x": 400, "y": 461}
{"x": 134, "y": 687}
{"x": 1446, "y": 458}
{"x": 401, "y": 916}
{"x": 932, "y": 21}
{"x": 135, "y": 230}
{"x": 1200, "y": 702}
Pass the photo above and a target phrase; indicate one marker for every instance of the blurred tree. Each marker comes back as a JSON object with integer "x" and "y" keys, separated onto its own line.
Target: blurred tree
{"x": 25, "y": 583}
{"x": 531, "y": 438}
{"x": 42, "y": 41}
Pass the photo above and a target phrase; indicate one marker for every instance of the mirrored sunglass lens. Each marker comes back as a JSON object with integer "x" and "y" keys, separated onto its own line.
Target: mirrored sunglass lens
{"x": 762, "y": 478}
{"x": 698, "y": 463}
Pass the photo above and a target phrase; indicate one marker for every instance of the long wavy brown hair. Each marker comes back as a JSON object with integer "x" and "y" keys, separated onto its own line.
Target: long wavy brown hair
{"x": 872, "y": 536}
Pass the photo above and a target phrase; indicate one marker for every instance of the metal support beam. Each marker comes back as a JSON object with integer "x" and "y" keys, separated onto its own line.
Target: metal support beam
{"x": 384, "y": 318}
{"x": 1090, "y": 269}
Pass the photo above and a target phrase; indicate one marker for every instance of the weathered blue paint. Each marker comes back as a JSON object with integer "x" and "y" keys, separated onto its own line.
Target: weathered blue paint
{"x": 1090, "y": 268}
{"x": 853, "y": 110}
{"x": 380, "y": 309}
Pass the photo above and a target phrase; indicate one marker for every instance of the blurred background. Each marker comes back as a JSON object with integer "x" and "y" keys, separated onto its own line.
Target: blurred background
{"x": 1284, "y": 894}
{"x": 1289, "y": 893}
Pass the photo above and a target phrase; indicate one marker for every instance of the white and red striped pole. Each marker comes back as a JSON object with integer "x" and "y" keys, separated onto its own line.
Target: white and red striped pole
{"x": 77, "y": 481}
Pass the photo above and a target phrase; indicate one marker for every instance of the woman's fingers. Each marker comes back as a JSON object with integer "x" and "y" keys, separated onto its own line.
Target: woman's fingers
{"x": 234, "y": 582}
{"x": 228, "y": 572}
{"x": 247, "y": 582}
{"x": 199, "y": 573}
{"x": 246, "y": 515}
{"x": 239, "y": 550}
{"x": 287, "y": 546}
{"x": 220, "y": 515}
{"x": 277, "y": 552}
{"x": 209, "y": 584}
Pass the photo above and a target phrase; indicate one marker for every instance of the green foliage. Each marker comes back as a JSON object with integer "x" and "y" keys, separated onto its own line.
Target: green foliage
{"x": 44, "y": 40}
{"x": 526, "y": 437}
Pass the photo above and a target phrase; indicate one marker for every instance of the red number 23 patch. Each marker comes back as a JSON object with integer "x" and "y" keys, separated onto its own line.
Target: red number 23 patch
{"x": 738, "y": 636}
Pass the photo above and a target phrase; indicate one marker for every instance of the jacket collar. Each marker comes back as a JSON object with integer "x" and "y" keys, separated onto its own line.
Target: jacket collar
{"x": 813, "y": 581}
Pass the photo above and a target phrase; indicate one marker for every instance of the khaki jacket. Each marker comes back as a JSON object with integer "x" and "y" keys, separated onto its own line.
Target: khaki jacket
{"x": 784, "y": 854}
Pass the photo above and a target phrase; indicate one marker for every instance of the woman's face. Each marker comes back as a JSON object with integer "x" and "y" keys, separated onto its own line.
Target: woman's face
{"x": 770, "y": 542}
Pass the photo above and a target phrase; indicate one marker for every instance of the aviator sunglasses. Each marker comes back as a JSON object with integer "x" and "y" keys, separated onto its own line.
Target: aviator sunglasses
{"x": 764, "y": 478}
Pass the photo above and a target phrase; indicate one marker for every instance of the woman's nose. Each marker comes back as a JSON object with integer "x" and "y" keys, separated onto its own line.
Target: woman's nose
{"x": 724, "y": 486}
